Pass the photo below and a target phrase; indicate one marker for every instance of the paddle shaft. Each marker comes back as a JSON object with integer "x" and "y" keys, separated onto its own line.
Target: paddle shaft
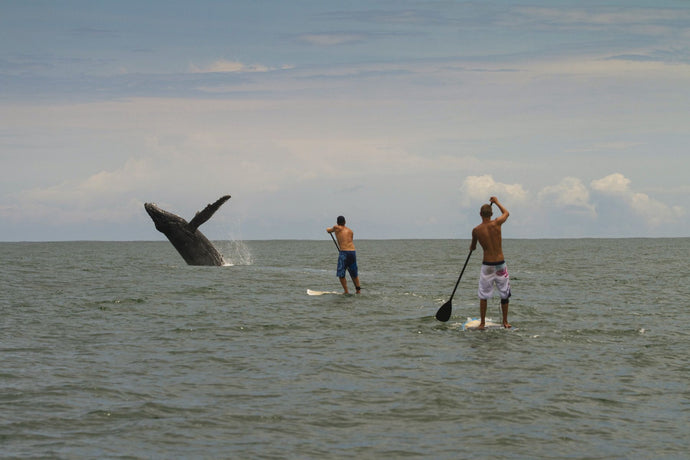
{"x": 459, "y": 277}
{"x": 335, "y": 242}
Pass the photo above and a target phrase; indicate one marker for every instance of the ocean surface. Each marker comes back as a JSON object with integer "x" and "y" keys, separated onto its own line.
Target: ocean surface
{"x": 121, "y": 350}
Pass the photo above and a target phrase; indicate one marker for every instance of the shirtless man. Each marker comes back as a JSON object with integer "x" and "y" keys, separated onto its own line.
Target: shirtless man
{"x": 494, "y": 269}
{"x": 347, "y": 257}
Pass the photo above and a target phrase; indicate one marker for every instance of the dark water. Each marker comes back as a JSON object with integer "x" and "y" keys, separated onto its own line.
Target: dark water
{"x": 121, "y": 350}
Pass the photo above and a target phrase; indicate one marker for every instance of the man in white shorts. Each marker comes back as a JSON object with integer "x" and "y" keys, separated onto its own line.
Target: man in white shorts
{"x": 494, "y": 270}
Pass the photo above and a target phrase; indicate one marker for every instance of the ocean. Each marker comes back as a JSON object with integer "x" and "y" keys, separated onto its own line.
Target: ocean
{"x": 121, "y": 350}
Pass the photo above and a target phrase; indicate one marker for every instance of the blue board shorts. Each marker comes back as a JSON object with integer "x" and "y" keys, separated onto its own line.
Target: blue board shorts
{"x": 347, "y": 260}
{"x": 494, "y": 273}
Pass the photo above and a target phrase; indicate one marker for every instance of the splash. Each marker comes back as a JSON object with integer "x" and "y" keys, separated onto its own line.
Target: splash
{"x": 236, "y": 252}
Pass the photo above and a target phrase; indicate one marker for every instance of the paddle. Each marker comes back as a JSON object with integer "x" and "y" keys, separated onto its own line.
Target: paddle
{"x": 334, "y": 241}
{"x": 443, "y": 313}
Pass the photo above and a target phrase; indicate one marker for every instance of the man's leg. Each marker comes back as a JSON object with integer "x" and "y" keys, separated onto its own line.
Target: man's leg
{"x": 343, "y": 281}
{"x": 482, "y": 313}
{"x": 355, "y": 280}
{"x": 354, "y": 273}
{"x": 504, "y": 310}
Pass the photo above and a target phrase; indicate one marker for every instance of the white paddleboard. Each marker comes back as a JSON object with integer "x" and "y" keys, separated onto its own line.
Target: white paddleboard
{"x": 473, "y": 323}
{"x": 312, "y": 292}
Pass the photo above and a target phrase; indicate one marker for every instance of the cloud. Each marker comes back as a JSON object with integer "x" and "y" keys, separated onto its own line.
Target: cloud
{"x": 570, "y": 193}
{"x": 480, "y": 188}
{"x": 606, "y": 146}
{"x": 612, "y": 184}
{"x": 430, "y": 17}
{"x": 107, "y": 196}
{"x": 331, "y": 39}
{"x": 225, "y": 66}
{"x": 653, "y": 212}
{"x": 93, "y": 33}
{"x": 571, "y": 208}
{"x": 651, "y": 21}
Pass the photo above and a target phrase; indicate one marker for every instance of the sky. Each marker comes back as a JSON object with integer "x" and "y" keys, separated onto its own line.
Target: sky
{"x": 404, "y": 116}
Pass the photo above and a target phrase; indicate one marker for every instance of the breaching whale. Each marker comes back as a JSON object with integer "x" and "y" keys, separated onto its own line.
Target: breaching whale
{"x": 192, "y": 245}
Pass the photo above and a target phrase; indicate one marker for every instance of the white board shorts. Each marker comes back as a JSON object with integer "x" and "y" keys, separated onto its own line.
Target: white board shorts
{"x": 494, "y": 273}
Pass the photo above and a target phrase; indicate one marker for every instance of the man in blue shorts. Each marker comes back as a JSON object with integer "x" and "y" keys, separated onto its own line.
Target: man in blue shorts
{"x": 494, "y": 270}
{"x": 347, "y": 257}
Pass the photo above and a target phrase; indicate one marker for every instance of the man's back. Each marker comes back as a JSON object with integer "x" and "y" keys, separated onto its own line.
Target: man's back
{"x": 345, "y": 238}
{"x": 488, "y": 233}
{"x": 489, "y": 236}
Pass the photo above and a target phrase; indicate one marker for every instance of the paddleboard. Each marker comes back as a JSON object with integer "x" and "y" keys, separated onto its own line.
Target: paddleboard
{"x": 312, "y": 292}
{"x": 472, "y": 323}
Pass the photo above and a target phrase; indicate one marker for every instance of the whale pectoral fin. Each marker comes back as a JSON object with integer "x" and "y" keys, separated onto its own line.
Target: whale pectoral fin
{"x": 205, "y": 214}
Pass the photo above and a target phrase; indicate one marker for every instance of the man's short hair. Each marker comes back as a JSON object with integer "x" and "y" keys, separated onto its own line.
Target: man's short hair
{"x": 341, "y": 220}
{"x": 486, "y": 211}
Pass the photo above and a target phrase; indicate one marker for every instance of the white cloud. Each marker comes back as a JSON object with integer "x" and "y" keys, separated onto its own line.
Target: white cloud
{"x": 107, "y": 196}
{"x": 225, "y": 66}
{"x": 654, "y": 213}
{"x": 613, "y": 184}
{"x": 478, "y": 189}
{"x": 650, "y": 21}
{"x": 571, "y": 208}
{"x": 570, "y": 193}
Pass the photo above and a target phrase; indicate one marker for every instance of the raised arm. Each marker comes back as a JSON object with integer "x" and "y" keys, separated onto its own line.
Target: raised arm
{"x": 504, "y": 212}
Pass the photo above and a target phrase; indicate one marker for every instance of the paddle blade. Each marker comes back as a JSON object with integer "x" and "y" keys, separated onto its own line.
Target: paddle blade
{"x": 443, "y": 313}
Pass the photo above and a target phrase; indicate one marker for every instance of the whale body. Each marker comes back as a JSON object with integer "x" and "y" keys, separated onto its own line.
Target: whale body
{"x": 185, "y": 236}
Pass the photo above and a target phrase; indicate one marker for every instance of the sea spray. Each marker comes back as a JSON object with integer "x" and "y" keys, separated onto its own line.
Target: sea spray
{"x": 235, "y": 252}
